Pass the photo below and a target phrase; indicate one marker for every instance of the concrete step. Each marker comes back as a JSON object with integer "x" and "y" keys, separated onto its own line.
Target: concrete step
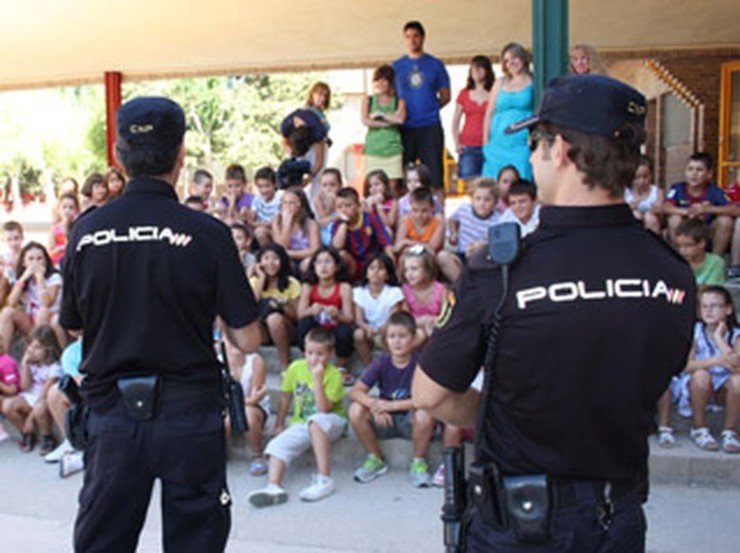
{"x": 684, "y": 465}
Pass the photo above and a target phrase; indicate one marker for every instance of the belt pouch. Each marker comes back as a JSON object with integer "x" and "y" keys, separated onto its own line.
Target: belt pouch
{"x": 139, "y": 395}
{"x": 528, "y": 507}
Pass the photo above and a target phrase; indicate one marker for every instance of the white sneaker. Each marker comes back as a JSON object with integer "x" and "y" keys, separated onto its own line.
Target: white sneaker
{"x": 270, "y": 495}
{"x": 321, "y": 487}
{"x": 3, "y": 434}
{"x": 71, "y": 462}
{"x": 56, "y": 455}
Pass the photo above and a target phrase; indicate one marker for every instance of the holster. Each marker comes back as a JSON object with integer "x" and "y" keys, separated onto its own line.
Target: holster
{"x": 486, "y": 495}
{"x": 75, "y": 425}
{"x": 235, "y": 399}
{"x": 75, "y": 419}
{"x": 140, "y": 395}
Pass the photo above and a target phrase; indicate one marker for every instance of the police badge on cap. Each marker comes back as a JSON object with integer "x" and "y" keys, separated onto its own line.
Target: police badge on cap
{"x": 592, "y": 104}
{"x": 149, "y": 121}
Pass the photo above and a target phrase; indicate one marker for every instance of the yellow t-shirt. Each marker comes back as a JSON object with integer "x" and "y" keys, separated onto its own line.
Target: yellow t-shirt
{"x": 289, "y": 296}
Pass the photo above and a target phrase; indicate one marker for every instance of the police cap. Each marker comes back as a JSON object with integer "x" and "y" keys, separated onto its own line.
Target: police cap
{"x": 149, "y": 122}
{"x": 592, "y": 104}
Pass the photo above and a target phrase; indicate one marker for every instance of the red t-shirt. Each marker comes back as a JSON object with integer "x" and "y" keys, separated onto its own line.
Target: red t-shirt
{"x": 472, "y": 131}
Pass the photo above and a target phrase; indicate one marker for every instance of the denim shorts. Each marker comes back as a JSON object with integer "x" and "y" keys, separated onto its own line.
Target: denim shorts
{"x": 470, "y": 162}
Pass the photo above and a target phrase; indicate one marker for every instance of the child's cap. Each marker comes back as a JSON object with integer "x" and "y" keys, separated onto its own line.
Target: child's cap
{"x": 593, "y": 104}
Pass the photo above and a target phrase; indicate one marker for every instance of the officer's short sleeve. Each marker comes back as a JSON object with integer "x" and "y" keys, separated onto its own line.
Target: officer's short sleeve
{"x": 235, "y": 302}
{"x": 454, "y": 354}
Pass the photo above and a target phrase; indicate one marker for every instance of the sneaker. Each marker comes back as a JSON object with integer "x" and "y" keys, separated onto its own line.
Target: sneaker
{"x": 3, "y": 434}
{"x": 56, "y": 455}
{"x": 704, "y": 439}
{"x": 270, "y": 495}
{"x": 48, "y": 444}
{"x": 373, "y": 467}
{"x": 257, "y": 467}
{"x": 666, "y": 438}
{"x": 419, "y": 474}
{"x": 27, "y": 442}
{"x": 321, "y": 487}
{"x": 730, "y": 443}
{"x": 439, "y": 477}
{"x": 71, "y": 463}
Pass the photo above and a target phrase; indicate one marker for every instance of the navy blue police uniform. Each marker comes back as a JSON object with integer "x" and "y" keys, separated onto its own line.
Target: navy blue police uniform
{"x": 597, "y": 319}
{"x": 144, "y": 279}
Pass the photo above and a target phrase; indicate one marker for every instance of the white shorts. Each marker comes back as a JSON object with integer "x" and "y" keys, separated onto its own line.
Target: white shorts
{"x": 30, "y": 397}
{"x": 296, "y": 439}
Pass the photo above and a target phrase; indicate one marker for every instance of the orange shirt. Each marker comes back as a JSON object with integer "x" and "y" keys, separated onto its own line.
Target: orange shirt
{"x": 425, "y": 235}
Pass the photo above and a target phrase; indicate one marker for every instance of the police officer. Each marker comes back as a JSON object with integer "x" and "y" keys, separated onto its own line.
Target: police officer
{"x": 596, "y": 319}
{"x": 144, "y": 279}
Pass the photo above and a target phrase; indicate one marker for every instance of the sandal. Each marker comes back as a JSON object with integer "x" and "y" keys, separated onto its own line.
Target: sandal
{"x": 730, "y": 443}
{"x": 27, "y": 442}
{"x": 704, "y": 439}
{"x": 48, "y": 444}
{"x": 666, "y": 438}
{"x": 257, "y": 467}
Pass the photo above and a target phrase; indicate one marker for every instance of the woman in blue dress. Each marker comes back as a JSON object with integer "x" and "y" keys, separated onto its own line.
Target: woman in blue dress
{"x": 511, "y": 100}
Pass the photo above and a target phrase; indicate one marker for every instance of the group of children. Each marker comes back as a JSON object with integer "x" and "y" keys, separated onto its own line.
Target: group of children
{"x": 349, "y": 272}
{"x": 699, "y": 220}
{"x": 366, "y": 274}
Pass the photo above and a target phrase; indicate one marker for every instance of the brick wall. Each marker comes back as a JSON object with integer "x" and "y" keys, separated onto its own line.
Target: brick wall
{"x": 700, "y": 71}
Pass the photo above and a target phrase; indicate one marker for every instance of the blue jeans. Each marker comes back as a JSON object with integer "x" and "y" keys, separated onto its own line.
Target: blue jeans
{"x": 470, "y": 162}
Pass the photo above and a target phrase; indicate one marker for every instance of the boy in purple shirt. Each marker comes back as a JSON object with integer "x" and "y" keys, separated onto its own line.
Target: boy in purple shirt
{"x": 235, "y": 204}
{"x": 391, "y": 414}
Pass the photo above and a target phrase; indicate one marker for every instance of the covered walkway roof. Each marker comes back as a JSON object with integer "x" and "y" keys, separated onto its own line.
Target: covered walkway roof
{"x": 62, "y": 42}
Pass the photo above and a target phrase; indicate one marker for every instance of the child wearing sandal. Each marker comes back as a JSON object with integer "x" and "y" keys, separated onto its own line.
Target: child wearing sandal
{"x": 315, "y": 387}
{"x": 40, "y": 369}
{"x": 712, "y": 375}
{"x": 253, "y": 378}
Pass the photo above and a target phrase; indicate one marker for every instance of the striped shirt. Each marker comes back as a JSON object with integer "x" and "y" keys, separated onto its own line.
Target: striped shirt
{"x": 472, "y": 228}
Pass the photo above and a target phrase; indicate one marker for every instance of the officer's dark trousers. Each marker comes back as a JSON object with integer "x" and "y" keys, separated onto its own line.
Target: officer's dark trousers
{"x": 183, "y": 446}
{"x": 575, "y": 529}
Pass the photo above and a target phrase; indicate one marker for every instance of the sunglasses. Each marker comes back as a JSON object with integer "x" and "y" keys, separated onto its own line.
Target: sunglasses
{"x": 536, "y": 135}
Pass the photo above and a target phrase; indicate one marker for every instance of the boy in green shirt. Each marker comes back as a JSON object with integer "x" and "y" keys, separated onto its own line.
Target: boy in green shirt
{"x": 691, "y": 241}
{"x": 318, "y": 419}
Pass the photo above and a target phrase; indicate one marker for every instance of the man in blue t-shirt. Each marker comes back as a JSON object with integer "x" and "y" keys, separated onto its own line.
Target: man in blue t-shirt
{"x": 422, "y": 81}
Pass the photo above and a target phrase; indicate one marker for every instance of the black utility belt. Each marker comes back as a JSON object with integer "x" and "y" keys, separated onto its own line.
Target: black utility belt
{"x": 142, "y": 394}
{"x": 527, "y": 503}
